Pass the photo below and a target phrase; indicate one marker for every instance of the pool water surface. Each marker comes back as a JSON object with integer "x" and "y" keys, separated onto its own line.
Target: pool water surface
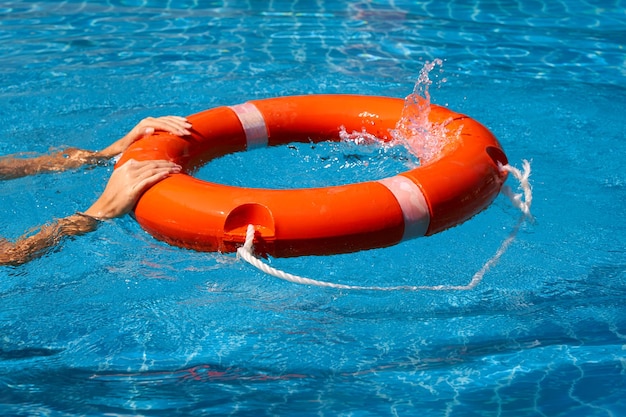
{"x": 118, "y": 323}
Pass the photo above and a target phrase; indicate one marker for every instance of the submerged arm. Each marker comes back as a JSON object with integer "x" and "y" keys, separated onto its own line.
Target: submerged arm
{"x": 14, "y": 167}
{"x": 28, "y": 248}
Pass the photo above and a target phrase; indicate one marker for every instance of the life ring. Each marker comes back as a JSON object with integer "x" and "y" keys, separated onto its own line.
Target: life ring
{"x": 187, "y": 212}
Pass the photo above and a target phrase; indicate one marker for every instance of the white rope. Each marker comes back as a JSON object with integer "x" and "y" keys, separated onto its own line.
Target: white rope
{"x": 524, "y": 184}
{"x": 245, "y": 251}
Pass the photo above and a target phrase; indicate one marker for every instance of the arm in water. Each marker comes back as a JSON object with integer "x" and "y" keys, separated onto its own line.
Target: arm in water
{"x": 14, "y": 167}
{"x": 124, "y": 188}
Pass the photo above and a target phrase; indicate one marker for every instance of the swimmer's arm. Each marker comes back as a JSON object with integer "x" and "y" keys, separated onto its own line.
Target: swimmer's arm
{"x": 28, "y": 248}
{"x": 126, "y": 185}
{"x": 15, "y": 167}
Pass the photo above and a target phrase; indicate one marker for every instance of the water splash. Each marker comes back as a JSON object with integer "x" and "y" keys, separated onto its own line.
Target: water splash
{"x": 414, "y": 130}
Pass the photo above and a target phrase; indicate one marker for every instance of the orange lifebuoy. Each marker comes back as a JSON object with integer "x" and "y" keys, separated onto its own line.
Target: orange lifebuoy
{"x": 187, "y": 212}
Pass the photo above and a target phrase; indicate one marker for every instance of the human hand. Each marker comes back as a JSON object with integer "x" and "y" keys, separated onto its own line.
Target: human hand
{"x": 175, "y": 125}
{"x": 127, "y": 184}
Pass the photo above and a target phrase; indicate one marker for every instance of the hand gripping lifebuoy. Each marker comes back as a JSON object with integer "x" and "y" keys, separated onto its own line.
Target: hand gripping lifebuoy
{"x": 187, "y": 212}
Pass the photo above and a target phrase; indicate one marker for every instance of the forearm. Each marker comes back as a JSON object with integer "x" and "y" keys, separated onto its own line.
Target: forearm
{"x": 15, "y": 167}
{"x": 12, "y": 167}
{"x": 30, "y": 247}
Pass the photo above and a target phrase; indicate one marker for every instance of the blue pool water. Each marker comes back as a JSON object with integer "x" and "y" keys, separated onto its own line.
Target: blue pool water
{"x": 116, "y": 323}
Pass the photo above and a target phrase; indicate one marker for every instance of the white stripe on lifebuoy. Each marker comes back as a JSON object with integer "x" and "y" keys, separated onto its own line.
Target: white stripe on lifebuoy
{"x": 253, "y": 124}
{"x": 413, "y": 204}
